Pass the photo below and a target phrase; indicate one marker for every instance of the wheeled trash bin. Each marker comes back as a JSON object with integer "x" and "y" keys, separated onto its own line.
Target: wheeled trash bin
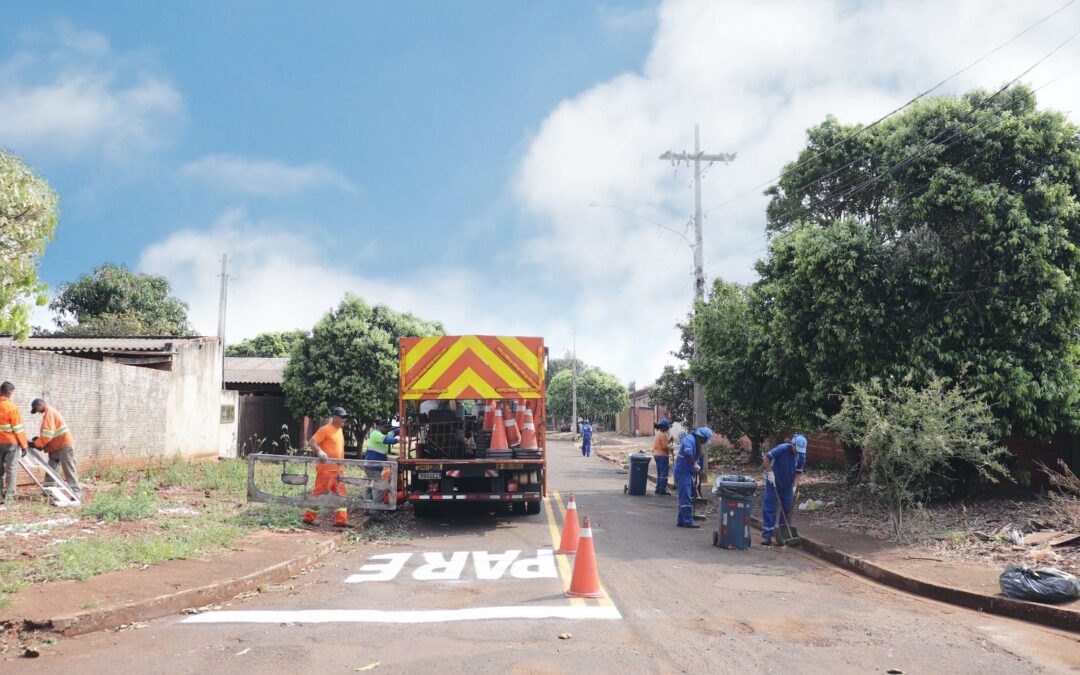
{"x": 735, "y": 500}
{"x": 639, "y": 473}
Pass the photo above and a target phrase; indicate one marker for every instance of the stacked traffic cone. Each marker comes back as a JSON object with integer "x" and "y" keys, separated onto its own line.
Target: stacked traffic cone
{"x": 528, "y": 431}
{"x": 585, "y": 582}
{"x": 513, "y": 432}
{"x": 520, "y": 416}
{"x": 498, "y": 432}
{"x": 571, "y": 530}
{"x": 489, "y": 416}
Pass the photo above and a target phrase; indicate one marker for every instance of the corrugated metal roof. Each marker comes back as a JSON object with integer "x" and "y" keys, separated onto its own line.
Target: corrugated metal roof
{"x": 106, "y": 344}
{"x": 254, "y": 370}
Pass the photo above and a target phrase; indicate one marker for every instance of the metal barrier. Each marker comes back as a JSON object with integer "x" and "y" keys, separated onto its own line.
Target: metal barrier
{"x": 366, "y": 482}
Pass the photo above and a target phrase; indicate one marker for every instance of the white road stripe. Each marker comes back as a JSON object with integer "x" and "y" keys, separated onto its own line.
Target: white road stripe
{"x": 417, "y": 616}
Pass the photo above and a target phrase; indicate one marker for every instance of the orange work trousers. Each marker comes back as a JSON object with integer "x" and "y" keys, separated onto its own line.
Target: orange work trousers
{"x": 326, "y": 480}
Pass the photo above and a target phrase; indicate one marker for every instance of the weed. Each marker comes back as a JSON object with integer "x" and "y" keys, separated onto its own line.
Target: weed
{"x": 88, "y": 605}
{"x": 273, "y": 516}
{"x": 117, "y": 504}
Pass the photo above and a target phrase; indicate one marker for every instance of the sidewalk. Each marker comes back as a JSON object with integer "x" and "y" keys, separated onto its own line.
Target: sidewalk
{"x": 966, "y": 585}
{"x": 133, "y": 595}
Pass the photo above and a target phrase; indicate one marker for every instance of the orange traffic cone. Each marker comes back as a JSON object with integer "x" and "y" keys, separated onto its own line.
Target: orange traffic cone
{"x": 585, "y": 583}
{"x": 489, "y": 416}
{"x": 513, "y": 432}
{"x": 528, "y": 431}
{"x": 520, "y": 416}
{"x": 498, "y": 432}
{"x": 571, "y": 531}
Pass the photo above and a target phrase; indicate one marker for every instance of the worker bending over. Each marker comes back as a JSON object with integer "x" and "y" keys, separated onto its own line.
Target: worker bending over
{"x": 686, "y": 467}
{"x": 586, "y": 438}
{"x": 661, "y": 449}
{"x": 329, "y": 443}
{"x": 783, "y": 469}
{"x": 12, "y": 442}
{"x": 56, "y": 441}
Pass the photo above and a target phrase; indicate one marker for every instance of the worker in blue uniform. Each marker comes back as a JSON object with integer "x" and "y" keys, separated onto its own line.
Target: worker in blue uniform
{"x": 586, "y": 438}
{"x": 686, "y": 467}
{"x": 784, "y": 466}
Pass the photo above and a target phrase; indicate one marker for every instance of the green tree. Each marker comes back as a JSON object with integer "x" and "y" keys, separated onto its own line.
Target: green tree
{"x": 556, "y": 366}
{"x": 674, "y": 390}
{"x": 598, "y": 394}
{"x": 27, "y": 224}
{"x": 732, "y": 365}
{"x": 944, "y": 240}
{"x": 113, "y": 300}
{"x": 351, "y": 359}
{"x": 271, "y": 345}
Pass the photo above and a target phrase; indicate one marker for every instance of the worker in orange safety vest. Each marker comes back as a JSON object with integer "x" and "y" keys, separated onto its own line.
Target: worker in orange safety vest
{"x": 329, "y": 443}
{"x": 55, "y": 439}
{"x": 12, "y": 442}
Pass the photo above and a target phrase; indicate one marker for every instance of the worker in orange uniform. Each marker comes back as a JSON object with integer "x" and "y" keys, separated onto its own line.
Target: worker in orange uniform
{"x": 12, "y": 441}
{"x": 56, "y": 441}
{"x": 329, "y": 443}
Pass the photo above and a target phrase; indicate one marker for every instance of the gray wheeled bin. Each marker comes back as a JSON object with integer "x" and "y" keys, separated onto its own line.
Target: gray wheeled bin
{"x": 639, "y": 473}
{"x": 734, "y": 505}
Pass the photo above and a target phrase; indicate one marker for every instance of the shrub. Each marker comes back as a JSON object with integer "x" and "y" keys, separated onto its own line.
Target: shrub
{"x": 914, "y": 439}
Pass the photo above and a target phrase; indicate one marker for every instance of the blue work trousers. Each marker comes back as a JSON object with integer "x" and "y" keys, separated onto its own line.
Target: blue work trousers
{"x": 770, "y": 518}
{"x": 586, "y": 445}
{"x": 684, "y": 485}
{"x": 662, "y": 464}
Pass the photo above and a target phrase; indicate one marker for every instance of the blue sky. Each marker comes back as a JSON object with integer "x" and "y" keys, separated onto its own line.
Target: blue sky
{"x": 453, "y": 159}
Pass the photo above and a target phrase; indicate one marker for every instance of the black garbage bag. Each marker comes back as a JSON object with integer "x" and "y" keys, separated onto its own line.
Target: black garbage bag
{"x": 735, "y": 487}
{"x": 1042, "y": 585}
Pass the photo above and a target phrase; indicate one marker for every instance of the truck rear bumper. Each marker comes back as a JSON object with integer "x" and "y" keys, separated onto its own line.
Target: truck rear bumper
{"x": 478, "y": 497}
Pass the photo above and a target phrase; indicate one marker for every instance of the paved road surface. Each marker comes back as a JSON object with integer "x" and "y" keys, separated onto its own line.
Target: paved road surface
{"x": 681, "y": 606}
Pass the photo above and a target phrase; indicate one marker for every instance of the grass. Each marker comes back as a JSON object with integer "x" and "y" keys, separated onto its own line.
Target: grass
{"x": 272, "y": 516}
{"x": 228, "y": 476}
{"x": 119, "y": 504}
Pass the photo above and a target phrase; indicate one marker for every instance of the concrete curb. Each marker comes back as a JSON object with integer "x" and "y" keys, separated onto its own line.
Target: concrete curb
{"x": 1047, "y": 615}
{"x": 172, "y": 603}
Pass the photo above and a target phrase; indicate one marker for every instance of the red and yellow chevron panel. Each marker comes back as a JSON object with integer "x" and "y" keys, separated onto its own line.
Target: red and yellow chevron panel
{"x": 471, "y": 367}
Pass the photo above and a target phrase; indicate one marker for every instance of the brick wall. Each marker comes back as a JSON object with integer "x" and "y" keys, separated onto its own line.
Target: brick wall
{"x": 116, "y": 413}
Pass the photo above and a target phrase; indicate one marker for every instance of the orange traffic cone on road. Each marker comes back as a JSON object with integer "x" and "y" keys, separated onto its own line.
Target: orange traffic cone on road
{"x": 489, "y": 416}
{"x": 585, "y": 582}
{"x": 528, "y": 431}
{"x": 571, "y": 530}
{"x": 498, "y": 432}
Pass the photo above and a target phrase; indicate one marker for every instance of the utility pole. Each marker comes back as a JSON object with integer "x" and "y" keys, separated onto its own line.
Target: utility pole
{"x": 573, "y": 405}
{"x": 222, "y": 301}
{"x": 697, "y": 157}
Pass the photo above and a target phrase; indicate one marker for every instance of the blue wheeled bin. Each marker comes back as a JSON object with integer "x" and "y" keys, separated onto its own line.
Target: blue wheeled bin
{"x": 734, "y": 507}
{"x": 639, "y": 473}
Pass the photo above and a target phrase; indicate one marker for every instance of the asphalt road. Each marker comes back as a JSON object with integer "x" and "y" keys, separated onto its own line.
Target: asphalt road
{"x": 676, "y": 604}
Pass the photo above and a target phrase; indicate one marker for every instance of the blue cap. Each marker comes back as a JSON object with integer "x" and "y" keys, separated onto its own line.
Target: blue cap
{"x": 663, "y": 422}
{"x": 799, "y": 441}
{"x": 704, "y": 432}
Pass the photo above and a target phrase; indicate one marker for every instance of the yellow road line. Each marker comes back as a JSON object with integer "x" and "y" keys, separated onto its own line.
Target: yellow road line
{"x": 564, "y": 565}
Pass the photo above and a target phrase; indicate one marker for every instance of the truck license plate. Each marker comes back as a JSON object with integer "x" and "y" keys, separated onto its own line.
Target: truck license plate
{"x": 429, "y": 475}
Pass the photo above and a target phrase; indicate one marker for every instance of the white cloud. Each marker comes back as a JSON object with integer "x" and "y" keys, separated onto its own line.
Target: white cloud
{"x": 263, "y": 177}
{"x": 282, "y": 280}
{"x": 755, "y": 74}
{"x": 68, "y": 93}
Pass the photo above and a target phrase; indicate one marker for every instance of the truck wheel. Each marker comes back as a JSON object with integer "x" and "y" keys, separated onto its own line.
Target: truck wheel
{"x": 518, "y": 508}
{"x": 532, "y": 508}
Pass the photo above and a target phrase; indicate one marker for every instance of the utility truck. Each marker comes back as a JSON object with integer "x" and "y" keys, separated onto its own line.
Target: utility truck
{"x": 471, "y": 409}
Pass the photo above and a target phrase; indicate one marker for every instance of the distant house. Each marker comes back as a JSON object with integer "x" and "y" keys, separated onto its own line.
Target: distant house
{"x": 638, "y": 418}
{"x": 127, "y": 400}
{"x": 263, "y": 418}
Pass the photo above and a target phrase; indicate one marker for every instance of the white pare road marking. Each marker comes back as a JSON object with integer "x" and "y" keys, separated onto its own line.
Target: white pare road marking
{"x": 451, "y": 567}
{"x": 305, "y": 616}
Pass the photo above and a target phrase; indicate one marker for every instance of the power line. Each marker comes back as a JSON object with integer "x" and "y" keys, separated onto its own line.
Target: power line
{"x": 884, "y": 117}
